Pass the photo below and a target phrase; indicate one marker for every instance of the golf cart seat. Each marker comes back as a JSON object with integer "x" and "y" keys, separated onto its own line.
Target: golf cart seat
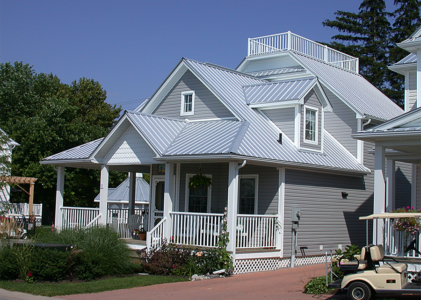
{"x": 377, "y": 255}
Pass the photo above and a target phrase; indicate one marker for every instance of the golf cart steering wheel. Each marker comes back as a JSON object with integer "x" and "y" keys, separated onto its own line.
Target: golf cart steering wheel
{"x": 411, "y": 246}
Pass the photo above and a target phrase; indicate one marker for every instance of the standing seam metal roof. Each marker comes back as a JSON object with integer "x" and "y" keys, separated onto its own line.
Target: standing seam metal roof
{"x": 278, "y": 91}
{"x": 411, "y": 58}
{"x": 354, "y": 88}
{"x": 80, "y": 152}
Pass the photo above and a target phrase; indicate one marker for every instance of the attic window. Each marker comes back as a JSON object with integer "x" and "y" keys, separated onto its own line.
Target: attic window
{"x": 187, "y": 103}
{"x": 311, "y": 125}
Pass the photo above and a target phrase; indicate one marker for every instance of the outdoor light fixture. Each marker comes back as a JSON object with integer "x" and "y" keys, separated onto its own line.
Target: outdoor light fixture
{"x": 345, "y": 195}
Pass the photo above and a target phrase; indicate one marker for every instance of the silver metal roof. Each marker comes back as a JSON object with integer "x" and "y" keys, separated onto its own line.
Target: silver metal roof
{"x": 79, "y": 152}
{"x": 277, "y": 71}
{"x": 208, "y": 137}
{"x": 159, "y": 131}
{"x": 353, "y": 88}
{"x": 121, "y": 193}
{"x": 260, "y": 139}
{"x": 411, "y": 58}
{"x": 279, "y": 90}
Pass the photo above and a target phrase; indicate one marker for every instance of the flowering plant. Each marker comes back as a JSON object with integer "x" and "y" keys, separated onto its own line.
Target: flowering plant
{"x": 408, "y": 225}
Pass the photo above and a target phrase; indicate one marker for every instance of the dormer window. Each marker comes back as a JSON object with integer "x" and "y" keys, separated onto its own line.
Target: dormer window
{"x": 311, "y": 125}
{"x": 187, "y": 103}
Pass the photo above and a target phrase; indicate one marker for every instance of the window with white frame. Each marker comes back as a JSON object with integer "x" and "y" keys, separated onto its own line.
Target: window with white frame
{"x": 197, "y": 199}
{"x": 248, "y": 194}
{"x": 187, "y": 103}
{"x": 311, "y": 125}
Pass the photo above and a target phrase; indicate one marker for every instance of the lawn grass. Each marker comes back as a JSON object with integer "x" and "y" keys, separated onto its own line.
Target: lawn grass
{"x": 100, "y": 285}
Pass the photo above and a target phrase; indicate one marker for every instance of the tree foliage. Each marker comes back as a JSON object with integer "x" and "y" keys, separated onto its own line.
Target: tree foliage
{"x": 370, "y": 36}
{"x": 47, "y": 116}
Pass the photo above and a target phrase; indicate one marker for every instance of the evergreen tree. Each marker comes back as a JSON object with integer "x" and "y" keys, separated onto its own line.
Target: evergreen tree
{"x": 407, "y": 20}
{"x": 366, "y": 35}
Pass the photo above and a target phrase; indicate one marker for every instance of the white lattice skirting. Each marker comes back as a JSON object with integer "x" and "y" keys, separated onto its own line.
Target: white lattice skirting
{"x": 251, "y": 265}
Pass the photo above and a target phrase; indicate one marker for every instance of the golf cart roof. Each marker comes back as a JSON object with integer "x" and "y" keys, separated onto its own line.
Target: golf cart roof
{"x": 391, "y": 216}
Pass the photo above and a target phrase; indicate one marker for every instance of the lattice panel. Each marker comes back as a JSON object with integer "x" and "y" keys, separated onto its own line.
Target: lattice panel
{"x": 269, "y": 264}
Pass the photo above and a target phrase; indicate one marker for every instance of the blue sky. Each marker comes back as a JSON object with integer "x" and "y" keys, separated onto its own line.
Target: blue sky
{"x": 130, "y": 47}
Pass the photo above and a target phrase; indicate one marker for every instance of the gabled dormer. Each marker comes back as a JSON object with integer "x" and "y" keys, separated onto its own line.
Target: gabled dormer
{"x": 295, "y": 106}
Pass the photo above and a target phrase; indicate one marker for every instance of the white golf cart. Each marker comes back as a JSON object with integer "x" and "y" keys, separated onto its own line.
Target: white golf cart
{"x": 373, "y": 272}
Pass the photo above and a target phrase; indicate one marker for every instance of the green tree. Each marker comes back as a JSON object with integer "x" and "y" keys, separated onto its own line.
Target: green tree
{"x": 407, "y": 20}
{"x": 366, "y": 35}
{"x": 47, "y": 116}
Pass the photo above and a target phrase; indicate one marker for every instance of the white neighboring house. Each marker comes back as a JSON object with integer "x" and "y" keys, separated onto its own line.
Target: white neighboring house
{"x": 118, "y": 198}
{"x": 5, "y": 191}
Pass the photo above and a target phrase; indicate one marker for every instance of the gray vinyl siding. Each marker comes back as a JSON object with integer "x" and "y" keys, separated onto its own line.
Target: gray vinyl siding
{"x": 206, "y": 105}
{"x": 284, "y": 119}
{"x": 311, "y": 101}
{"x": 412, "y": 90}
{"x": 341, "y": 123}
{"x": 267, "y": 185}
{"x": 403, "y": 179}
{"x": 328, "y": 219}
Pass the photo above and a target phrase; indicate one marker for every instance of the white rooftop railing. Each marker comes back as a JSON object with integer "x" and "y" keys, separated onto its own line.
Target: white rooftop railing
{"x": 291, "y": 41}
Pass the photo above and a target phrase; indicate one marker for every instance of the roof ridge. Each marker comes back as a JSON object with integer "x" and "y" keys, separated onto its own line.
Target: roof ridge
{"x": 322, "y": 61}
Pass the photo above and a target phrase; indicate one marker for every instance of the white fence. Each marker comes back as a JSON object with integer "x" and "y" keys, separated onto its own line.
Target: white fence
{"x": 290, "y": 41}
{"x": 397, "y": 241}
{"x": 256, "y": 231}
{"x": 23, "y": 209}
{"x": 196, "y": 229}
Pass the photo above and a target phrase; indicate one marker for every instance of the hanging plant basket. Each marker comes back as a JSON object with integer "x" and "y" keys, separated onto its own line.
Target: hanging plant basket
{"x": 199, "y": 180}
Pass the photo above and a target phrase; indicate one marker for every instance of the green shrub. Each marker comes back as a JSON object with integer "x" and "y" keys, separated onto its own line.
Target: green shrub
{"x": 317, "y": 286}
{"x": 51, "y": 265}
{"x": 8, "y": 263}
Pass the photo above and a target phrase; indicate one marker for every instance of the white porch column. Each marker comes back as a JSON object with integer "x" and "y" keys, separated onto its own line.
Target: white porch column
{"x": 281, "y": 211}
{"x": 390, "y": 185}
{"x": 59, "y": 197}
{"x": 379, "y": 192}
{"x": 414, "y": 186}
{"x": 232, "y": 205}
{"x": 132, "y": 192}
{"x": 103, "y": 194}
{"x": 418, "y": 78}
{"x": 168, "y": 198}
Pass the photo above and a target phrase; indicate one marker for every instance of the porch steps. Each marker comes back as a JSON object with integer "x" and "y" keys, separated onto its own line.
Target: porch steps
{"x": 134, "y": 245}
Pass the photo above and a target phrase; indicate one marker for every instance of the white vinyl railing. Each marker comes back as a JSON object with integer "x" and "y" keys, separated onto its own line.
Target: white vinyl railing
{"x": 397, "y": 241}
{"x": 155, "y": 237}
{"x": 256, "y": 231}
{"x": 197, "y": 229}
{"x": 290, "y": 41}
{"x": 23, "y": 210}
{"x": 118, "y": 219}
{"x": 78, "y": 217}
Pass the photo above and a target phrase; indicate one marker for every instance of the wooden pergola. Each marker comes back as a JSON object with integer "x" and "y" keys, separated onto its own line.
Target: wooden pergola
{"x": 23, "y": 180}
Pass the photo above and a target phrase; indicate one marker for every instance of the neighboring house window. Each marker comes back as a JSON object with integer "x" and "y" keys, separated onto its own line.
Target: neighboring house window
{"x": 197, "y": 200}
{"x": 310, "y": 125}
{"x": 247, "y": 202}
{"x": 187, "y": 103}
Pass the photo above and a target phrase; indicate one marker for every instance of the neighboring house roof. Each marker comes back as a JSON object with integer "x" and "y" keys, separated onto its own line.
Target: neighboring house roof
{"x": 278, "y": 91}
{"x": 11, "y": 142}
{"x": 411, "y": 58}
{"x": 120, "y": 194}
{"x": 353, "y": 89}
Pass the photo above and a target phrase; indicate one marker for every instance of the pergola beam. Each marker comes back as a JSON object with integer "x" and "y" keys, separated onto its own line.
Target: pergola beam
{"x": 23, "y": 180}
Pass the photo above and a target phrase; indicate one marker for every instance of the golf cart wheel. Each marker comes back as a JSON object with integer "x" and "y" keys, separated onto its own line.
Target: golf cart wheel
{"x": 359, "y": 291}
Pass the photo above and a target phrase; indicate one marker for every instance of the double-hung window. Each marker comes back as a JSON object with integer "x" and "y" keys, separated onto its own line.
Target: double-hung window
{"x": 187, "y": 103}
{"x": 247, "y": 203}
{"x": 311, "y": 125}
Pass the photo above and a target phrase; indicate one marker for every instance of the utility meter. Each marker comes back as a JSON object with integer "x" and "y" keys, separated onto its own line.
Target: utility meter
{"x": 296, "y": 214}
